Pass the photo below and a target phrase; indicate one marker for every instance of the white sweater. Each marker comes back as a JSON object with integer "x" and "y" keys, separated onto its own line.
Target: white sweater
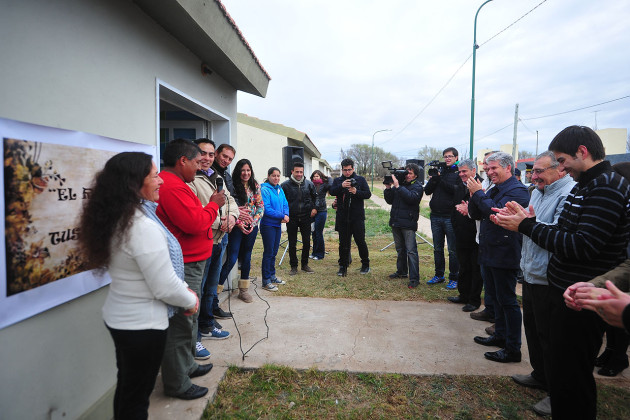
{"x": 143, "y": 280}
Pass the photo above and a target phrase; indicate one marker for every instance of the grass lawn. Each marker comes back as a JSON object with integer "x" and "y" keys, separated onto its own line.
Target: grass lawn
{"x": 279, "y": 392}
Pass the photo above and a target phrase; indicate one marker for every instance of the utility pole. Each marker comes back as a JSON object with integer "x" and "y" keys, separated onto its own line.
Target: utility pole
{"x": 536, "y": 142}
{"x": 472, "y": 99}
{"x": 595, "y": 112}
{"x": 515, "y": 130}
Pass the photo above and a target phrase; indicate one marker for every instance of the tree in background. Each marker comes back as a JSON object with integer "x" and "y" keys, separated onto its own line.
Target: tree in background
{"x": 524, "y": 154}
{"x": 361, "y": 154}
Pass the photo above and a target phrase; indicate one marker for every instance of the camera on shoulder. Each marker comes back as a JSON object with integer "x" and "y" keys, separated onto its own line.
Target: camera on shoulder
{"x": 399, "y": 173}
{"x": 436, "y": 168}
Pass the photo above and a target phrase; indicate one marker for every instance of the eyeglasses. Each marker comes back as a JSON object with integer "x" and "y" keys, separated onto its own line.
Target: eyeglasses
{"x": 449, "y": 157}
{"x": 540, "y": 171}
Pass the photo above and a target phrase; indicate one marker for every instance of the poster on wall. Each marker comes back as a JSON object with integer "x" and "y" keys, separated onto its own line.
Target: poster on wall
{"x": 46, "y": 178}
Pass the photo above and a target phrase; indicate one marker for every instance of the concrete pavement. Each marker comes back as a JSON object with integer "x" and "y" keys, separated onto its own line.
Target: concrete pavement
{"x": 341, "y": 334}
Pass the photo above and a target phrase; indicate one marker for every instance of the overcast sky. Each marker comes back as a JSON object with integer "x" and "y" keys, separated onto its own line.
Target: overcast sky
{"x": 342, "y": 70}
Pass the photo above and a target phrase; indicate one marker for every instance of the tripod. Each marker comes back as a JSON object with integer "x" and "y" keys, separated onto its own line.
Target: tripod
{"x": 424, "y": 240}
{"x": 286, "y": 248}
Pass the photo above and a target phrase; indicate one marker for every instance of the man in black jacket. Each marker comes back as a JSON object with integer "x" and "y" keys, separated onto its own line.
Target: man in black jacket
{"x": 403, "y": 218}
{"x": 300, "y": 193}
{"x": 350, "y": 190}
{"x": 442, "y": 188}
{"x": 469, "y": 283}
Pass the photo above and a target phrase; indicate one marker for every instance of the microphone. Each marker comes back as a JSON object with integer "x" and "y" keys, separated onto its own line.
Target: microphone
{"x": 219, "y": 188}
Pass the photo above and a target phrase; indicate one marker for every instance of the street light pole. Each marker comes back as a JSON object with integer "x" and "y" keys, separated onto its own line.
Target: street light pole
{"x": 379, "y": 131}
{"x": 472, "y": 100}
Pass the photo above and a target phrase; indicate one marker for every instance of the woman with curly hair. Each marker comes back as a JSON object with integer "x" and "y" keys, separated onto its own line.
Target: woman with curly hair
{"x": 242, "y": 238}
{"x": 322, "y": 185}
{"x": 121, "y": 233}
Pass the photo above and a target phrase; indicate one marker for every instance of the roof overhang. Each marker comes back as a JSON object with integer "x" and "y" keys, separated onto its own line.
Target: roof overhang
{"x": 206, "y": 29}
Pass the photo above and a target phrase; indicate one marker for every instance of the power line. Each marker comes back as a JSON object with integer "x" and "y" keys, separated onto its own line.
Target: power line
{"x": 430, "y": 102}
{"x": 578, "y": 109}
{"x": 513, "y": 23}
{"x": 495, "y": 132}
{"x": 526, "y": 127}
{"x": 457, "y": 71}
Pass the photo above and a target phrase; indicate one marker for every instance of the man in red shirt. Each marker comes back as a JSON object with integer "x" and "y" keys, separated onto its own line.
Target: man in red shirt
{"x": 191, "y": 223}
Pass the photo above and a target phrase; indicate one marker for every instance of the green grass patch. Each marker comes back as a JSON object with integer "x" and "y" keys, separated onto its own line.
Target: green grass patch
{"x": 278, "y": 392}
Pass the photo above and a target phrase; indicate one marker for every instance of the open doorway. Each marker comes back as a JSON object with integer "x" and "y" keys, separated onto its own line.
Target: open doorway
{"x": 181, "y": 116}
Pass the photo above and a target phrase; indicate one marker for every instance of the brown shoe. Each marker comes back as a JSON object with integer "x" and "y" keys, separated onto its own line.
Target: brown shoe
{"x": 293, "y": 271}
{"x": 481, "y": 316}
{"x": 307, "y": 269}
{"x": 243, "y": 291}
{"x": 490, "y": 329}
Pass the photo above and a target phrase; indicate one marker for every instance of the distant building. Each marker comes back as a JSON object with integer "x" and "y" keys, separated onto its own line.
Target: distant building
{"x": 262, "y": 141}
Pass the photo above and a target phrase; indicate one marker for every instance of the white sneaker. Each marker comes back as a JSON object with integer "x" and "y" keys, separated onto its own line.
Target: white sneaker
{"x": 270, "y": 287}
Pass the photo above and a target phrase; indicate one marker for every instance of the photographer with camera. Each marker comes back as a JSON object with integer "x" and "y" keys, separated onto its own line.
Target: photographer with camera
{"x": 443, "y": 181}
{"x": 404, "y": 193}
{"x": 350, "y": 190}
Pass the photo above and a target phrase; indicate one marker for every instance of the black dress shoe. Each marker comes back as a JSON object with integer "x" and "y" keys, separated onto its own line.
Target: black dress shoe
{"x": 413, "y": 285}
{"x": 482, "y": 316}
{"x": 529, "y": 381}
{"x": 469, "y": 307}
{"x": 493, "y": 340}
{"x": 503, "y": 356}
{"x": 397, "y": 276}
{"x": 456, "y": 299}
{"x": 221, "y": 314}
{"x": 612, "y": 368}
{"x": 191, "y": 393}
{"x": 201, "y": 370}
{"x": 603, "y": 358}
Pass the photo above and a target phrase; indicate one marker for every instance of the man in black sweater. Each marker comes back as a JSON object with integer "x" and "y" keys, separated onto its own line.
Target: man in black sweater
{"x": 351, "y": 190}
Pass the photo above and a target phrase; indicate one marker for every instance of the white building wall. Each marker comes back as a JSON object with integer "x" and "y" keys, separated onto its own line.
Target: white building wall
{"x": 89, "y": 66}
{"x": 614, "y": 140}
{"x": 263, "y": 148}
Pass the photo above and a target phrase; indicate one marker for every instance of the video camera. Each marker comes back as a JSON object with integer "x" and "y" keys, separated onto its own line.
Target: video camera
{"x": 436, "y": 167}
{"x": 399, "y": 173}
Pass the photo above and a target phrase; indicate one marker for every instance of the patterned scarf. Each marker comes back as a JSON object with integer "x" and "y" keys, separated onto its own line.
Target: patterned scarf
{"x": 174, "y": 249}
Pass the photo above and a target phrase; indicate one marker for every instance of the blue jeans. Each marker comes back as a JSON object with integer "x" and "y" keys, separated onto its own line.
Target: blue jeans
{"x": 501, "y": 290}
{"x": 271, "y": 242}
{"x": 441, "y": 227}
{"x": 239, "y": 243}
{"x": 209, "y": 285}
{"x": 407, "y": 250}
{"x": 319, "y": 249}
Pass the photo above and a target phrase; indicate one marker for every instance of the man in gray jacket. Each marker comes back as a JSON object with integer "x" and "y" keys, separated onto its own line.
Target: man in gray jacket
{"x": 552, "y": 188}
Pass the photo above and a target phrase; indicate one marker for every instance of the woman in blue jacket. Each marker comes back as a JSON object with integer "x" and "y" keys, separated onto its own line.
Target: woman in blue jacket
{"x": 276, "y": 213}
